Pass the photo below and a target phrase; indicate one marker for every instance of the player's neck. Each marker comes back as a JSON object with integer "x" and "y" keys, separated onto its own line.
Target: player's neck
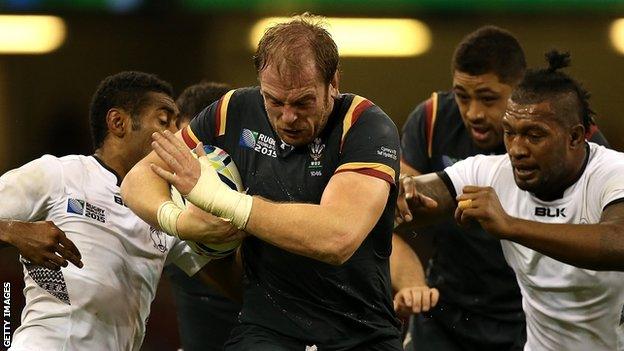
{"x": 113, "y": 159}
{"x": 578, "y": 163}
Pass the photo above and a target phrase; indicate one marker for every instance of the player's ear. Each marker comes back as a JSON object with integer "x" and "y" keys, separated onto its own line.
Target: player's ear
{"x": 118, "y": 122}
{"x": 334, "y": 85}
{"x": 577, "y": 136}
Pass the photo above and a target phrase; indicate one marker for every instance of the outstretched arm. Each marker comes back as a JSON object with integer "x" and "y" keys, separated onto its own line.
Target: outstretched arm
{"x": 27, "y": 194}
{"x": 406, "y": 272}
{"x": 592, "y": 246}
{"x": 144, "y": 192}
{"x": 423, "y": 200}
{"x": 331, "y": 231}
{"x": 408, "y": 280}
{"x": 42, "y": 243}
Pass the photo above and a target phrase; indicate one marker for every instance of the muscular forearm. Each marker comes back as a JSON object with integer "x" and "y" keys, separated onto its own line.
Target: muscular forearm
{"x": 590, "y": 246}
{"x": 5, "y": 233}
{"x": 326, "y": 233}
{"x": 405, "y": 267}
{"x": 428, "y": 200}
{"x": 143, "y": 191}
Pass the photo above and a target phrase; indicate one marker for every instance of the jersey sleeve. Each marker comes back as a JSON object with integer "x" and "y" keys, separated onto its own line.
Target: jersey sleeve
{"x": 28, "y": 192}
{"x": 208, "y": 124}
{"x": 414, "y": 140}
{"x": 370, "y": 142}
{"x": 609, "y": 179}
{"x": 477, "y": 170}
{"x": 185, "y": 258}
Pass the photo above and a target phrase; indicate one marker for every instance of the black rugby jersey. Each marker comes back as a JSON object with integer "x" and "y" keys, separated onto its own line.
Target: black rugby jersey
{"x": 468, "y": 266}
{"x": 333, "y": 307}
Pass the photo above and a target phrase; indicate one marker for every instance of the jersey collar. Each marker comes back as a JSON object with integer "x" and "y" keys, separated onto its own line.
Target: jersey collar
{"x": 108, "y": 169}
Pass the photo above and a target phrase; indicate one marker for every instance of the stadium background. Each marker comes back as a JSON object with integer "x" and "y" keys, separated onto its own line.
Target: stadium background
{"x": 44, "y": 98}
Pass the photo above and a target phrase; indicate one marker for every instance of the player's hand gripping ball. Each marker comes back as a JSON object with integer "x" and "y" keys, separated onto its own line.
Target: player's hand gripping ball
{"x": 228, "y": 173}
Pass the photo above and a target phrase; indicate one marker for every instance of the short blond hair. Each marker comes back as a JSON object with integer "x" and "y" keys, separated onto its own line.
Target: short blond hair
{"x": 289, "y": 43}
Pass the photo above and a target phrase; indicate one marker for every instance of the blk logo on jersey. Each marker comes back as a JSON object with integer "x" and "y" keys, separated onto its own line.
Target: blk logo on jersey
{"x": 83, "y": 208}
{"x": 258, "y": 142}
{"x": 119, "y": 200}
{"x": 550, "y": 212}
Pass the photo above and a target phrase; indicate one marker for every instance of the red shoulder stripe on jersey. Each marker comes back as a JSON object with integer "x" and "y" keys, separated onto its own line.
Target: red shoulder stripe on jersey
{"x": 221, "y": 113}
{"x": 361, "y": 107}
{"x": 431, "y": 109}
{"x": 370, "y": 172}
{"x": 358, "y": 105}
{"x": 189, "y": 137}
{"x": 378, "y": 170}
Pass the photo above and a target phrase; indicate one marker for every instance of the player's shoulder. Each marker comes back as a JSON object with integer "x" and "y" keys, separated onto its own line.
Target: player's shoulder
{"x": 487, "y": 168}
{"x": 47, "y": 171}
{"x": 445, "y": 108}
{"x": 440, "y": 107}
{"x": 489, "y": 160}
{"x": 242, "y": 103}
{"x": 236, "y": 99}
{"x": 76, "y": 163}
{"x": 358, "y": 109}
{"x": 445, "y": 99}
{"x": 51, "y": 164}
{"x": 70, "y": 159}
{"x": 247, "y": 95}
{"x": 604, "y": 161}
{"x": 601, "y": 157}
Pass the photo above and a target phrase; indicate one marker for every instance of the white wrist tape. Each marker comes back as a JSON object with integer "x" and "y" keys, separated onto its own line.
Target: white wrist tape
{"x": 212, "y": 195}
{"x": 168, "y": 214}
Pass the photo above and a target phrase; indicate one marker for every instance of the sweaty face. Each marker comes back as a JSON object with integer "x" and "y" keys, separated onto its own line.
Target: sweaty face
{"x": 482, "y": 100}
{"x": 159, "y": 113}
{"x": 537, "y": 144}
{"x": 298, "y": 104}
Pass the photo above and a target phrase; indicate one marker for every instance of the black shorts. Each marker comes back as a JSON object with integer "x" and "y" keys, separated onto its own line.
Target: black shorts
{"x": 205, "y": 317}
{"x": 255, "y": 338}
{"x": 447, "y": 328}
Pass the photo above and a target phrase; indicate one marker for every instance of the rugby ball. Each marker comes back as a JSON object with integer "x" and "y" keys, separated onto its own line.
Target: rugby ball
{"x": 227, "y": 171}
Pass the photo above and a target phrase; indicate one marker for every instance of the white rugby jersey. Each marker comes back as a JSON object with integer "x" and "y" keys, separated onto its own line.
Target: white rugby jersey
{"x": 104, "y": 305}
{"x": 567, "y": 308}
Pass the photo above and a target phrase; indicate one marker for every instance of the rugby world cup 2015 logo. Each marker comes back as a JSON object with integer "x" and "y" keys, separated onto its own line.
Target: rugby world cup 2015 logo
{"x": 248, "y": 138}
{"x": 83, "y": 208}
{"x": 258, "y": 142}
{"x": 75, "y": 206}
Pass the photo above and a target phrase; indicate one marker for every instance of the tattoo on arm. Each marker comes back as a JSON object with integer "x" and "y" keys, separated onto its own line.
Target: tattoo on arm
{"x": 434, "y": 187}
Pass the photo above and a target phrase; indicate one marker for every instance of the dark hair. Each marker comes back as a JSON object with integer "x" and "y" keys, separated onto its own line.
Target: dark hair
{"x": 197, "y": 96}
{"x": 290, "y": 43}
{"x": 124, "y": 90}
{"x": 490, "y": 49}
{"x": 546, "y": 83}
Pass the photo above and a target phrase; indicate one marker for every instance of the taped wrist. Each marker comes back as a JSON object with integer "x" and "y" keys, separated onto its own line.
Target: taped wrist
{"x": 168, "y": 214}
{"x": 212, "y": 195}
